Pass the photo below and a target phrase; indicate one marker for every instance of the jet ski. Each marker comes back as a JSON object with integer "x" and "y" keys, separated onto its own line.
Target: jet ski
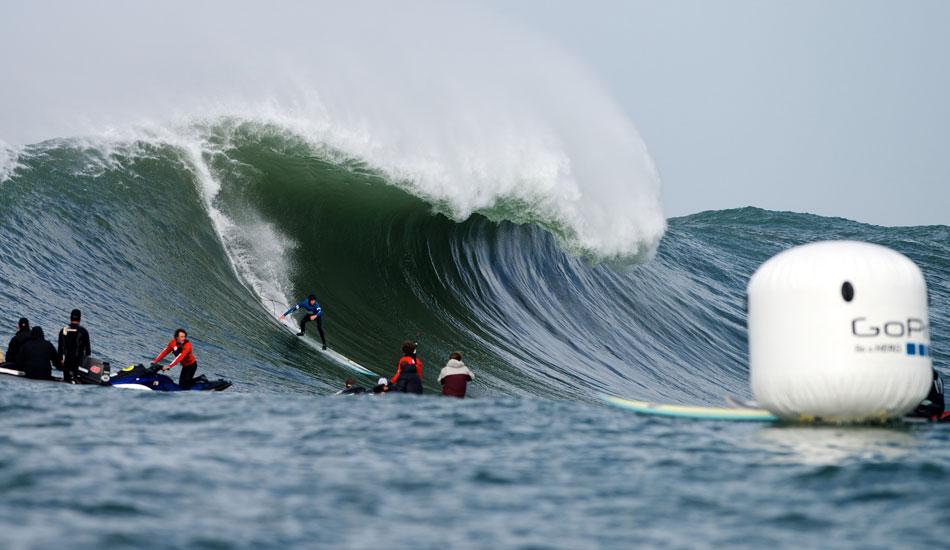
{"x": 140, "y": 377}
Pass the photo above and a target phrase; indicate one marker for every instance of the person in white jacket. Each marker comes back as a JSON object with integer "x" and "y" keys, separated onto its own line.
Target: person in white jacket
{"x": 455, "y": 376}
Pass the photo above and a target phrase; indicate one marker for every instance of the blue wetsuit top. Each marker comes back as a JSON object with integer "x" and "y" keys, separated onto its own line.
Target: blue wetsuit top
{"x": 312, "y": 309}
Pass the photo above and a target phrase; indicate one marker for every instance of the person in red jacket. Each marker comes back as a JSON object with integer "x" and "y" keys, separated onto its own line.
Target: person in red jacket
{"x": 455, "y": 376}
{"x": 181, "y": 347}
{"x": 408, "y": 377}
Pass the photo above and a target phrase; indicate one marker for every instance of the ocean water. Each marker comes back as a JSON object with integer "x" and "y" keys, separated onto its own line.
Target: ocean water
{"x": 219, "y": 233}
{"x": 483, "y": 196}
{"x": 92, "y": 468}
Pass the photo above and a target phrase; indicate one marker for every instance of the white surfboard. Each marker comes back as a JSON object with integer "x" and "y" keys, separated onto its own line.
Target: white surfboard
{"x": 336, "y": 357}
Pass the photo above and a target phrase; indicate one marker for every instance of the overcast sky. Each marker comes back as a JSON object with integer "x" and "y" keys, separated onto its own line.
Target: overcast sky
{"x": 838, "y": 108}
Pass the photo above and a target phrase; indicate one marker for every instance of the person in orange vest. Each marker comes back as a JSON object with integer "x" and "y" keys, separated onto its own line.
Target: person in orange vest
{"x": 181, "y": 347}
{"x": 408, "y": 377}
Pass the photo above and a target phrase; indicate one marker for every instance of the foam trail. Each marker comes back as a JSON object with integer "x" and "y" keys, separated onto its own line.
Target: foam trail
{"x": 258, "y": 253}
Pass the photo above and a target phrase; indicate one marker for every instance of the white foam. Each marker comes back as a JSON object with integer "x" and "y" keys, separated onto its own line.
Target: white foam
{"x": 458, "y": 106}
{"x": 9, "y": 161}
{"x": 257, "y": 251}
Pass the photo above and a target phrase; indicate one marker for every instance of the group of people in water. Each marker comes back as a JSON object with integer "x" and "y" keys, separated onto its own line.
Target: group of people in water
{"x": 30, "y": 353}
{"x": 454, "y": 377}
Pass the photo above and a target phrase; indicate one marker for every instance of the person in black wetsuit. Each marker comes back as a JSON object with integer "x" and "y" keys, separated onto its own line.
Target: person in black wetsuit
{"x": 381, "y": 387}
{"x": 932, "y": 407}
{"x": 37, "y": 356}
{"x": 22, "y": 335}
{"x": 351, "y": 389}
{"x": 314, "y": 313}
{"x": 73, "y": 345}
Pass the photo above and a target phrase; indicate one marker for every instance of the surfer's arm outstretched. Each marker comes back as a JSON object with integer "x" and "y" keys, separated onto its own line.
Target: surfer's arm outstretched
{"x": 293, "y": 309}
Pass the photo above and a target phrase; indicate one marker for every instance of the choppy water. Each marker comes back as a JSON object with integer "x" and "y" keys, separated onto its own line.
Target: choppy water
{"x": 93, "y": 468}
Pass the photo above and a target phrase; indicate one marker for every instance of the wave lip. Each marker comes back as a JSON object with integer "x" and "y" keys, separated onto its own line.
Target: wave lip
{"x": 599, "y": 194}
{"x": 602, "y": 203}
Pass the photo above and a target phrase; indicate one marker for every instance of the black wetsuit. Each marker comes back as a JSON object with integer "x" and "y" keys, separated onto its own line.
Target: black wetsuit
{"x": 73, "y": 348}
{"x": 16, "y": 343}
{"x": 408, "y": 377}
{"x": 319, "y": 320}
{"x": 933, "y": 405}
{"x": 36, "y": 358}
{"x": 309, "y": 310}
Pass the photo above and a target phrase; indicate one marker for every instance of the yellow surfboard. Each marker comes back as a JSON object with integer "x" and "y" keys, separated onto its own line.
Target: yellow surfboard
{"x": 682, "y": 411}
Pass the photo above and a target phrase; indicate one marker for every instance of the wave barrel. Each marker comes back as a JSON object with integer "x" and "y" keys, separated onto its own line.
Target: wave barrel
{"x": 839, "y": 332}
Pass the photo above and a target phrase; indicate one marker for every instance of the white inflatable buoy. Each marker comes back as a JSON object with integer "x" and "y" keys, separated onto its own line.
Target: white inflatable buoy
{"x": 839, "y": 331}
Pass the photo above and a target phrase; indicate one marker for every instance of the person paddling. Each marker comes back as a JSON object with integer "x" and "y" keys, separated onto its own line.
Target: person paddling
{"x": 314, "y": 313}
{"x": 351, "y": 388}
{"x": 382, "y": 386}
{"x": 181, "y": 347}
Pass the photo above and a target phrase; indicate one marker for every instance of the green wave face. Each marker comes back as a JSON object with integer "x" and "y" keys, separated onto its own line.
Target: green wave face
{"x": 221, "y": 233}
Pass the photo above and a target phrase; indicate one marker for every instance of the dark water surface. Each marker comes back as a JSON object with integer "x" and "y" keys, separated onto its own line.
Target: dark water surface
{"x": 98, "y": 468}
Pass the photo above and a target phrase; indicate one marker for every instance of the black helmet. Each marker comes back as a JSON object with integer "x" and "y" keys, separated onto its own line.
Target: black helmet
{"x": 312, "y": 297}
